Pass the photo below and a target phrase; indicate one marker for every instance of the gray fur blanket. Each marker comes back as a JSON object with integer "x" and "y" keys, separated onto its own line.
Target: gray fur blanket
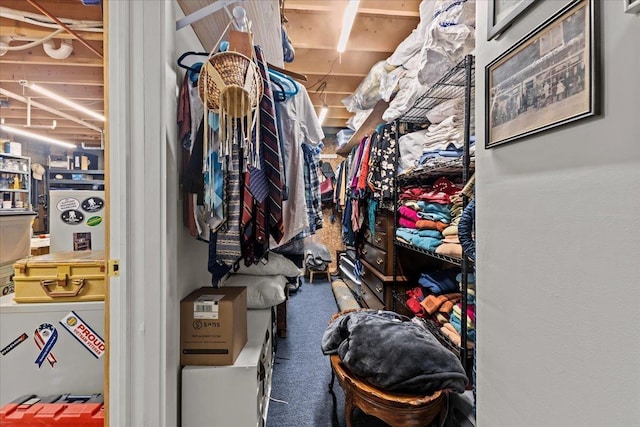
{"x": 392, "y": 354}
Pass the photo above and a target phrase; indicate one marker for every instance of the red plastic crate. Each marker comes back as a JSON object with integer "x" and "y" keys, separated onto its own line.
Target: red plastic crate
{"x": 54, "y": 411}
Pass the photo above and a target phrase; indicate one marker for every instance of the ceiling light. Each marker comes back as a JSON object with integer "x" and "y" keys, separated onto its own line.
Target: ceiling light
{"x": 347, "y": 23}
{"x": 63, "y": 100}
{"x": 323, "y": 114}
{"x": 36, "y": 136}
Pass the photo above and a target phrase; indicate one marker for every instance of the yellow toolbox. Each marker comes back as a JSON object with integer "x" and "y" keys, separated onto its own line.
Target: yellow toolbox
{"x": 60, "y": 277}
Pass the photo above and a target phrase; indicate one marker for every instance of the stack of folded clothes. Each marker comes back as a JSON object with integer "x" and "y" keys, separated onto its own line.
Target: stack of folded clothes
{"x": 426, "y": 213}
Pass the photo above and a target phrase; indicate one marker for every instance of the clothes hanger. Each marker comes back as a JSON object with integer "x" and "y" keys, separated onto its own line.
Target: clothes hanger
{"x": 290, "y": 87}
{"x": 278, "y": 96}
{"x": 190, "y": 67}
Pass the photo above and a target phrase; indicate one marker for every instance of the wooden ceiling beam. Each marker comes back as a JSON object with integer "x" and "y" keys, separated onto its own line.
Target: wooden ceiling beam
{"x": 38, "y": 114}
{"x": 80, "y": 57}
{"x": 73, "y": 92}
{"x": 405, "y": 8}
{"x": 369, "y": 33}
{"x": 336, "y": 83}
{"x": 22, "y": 30}
{"x": 318, "y": 61}
{"x": 52, "y": 74}
{"x": 18, "y": 106}
{"x": 331, "y": 122}
{"x": 63, "y": 9}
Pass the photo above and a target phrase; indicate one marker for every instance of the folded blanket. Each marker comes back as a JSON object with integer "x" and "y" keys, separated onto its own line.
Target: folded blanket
{"x": 408, "y": 213}
{"x": 450, "y": 249}
{"x": 407, "y": 223}
{"x": 427, "y": 224}
{"x": 425, "y": 242}
{"x": 393, "y": 355}
{"x": 439, "y": 282}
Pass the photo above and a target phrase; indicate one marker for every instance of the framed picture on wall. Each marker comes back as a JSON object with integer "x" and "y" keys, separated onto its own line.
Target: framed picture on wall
{"x": 546, "y": 79}
{"x": 502, "y": 13}
{"x": 632, "y": 6}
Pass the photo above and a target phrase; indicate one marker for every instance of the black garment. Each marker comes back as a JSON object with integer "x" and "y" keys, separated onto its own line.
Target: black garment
{"x": 392, "y": 354}
{"x": 193, "y": 179}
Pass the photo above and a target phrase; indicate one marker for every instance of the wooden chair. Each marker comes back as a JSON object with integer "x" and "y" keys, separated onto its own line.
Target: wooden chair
{"x": 321, "y": 273}
{"x": 394, "y": 409}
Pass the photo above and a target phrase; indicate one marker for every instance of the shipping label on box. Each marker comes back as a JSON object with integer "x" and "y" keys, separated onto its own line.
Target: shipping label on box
{"x": 207, "y": 307}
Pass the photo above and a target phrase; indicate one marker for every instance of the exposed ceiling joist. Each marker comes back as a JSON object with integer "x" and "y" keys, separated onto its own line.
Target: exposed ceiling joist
{"x": 81, "y": 57}
{"x": 316, "y": 61}
{"x": 52, "y": 74}
{"x": 394, "y": 8}
{"x": 69, "y": 91}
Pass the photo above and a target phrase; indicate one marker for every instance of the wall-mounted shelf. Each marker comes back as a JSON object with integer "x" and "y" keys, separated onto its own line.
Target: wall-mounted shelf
{"x": 13, "y": 171}
{"x": 11, "y": 190}
{"x": 12, "y": 168}
{"x": 70, "y": 179}
{"x": 367, "y": 128}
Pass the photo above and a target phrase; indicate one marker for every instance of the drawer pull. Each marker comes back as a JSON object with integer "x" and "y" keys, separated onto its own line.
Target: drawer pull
{"x": 379, "y": 289}
{"x": 379, "y": 261}
{"x": 364, "y": 252}
{"x": 378, "y": 223}
{"x": 378, "y": 239}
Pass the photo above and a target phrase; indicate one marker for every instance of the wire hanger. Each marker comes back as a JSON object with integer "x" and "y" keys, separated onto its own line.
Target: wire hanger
{"x": 187, "y": 54}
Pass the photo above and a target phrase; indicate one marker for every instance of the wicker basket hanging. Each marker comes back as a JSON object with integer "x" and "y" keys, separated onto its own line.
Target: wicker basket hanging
{"x": 230, "y": 84}
{"x": 230, "y": 77}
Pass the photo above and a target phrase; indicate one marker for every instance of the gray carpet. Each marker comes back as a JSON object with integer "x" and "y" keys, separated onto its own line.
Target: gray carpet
{"x": 300, "y": 394}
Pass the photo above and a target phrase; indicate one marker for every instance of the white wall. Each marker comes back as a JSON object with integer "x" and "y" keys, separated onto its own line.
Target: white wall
{"x": 558, "y": 250}
{"x": 192, "y": 255}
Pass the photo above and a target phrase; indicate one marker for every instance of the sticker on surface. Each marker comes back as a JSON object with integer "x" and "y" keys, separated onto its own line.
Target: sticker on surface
{"x": 45, "y": 338}
{"x": 13, "y": 344}
{"x": 72, "y": 217}
{"x": 82, "y": 332}
{"x": 206, "y": 307}
{"x": 92, "y": 204}
{"x": 94, "y": 220}
{"x": 67, "y": 203}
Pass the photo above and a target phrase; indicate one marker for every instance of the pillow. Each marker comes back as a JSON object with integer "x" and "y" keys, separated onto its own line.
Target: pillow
{"x": 262, "y": 291}
{"x": 277, "y": 264}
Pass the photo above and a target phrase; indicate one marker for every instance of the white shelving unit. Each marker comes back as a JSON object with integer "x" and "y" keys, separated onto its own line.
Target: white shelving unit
{"x": 15, "y": 182}
{"x": 224, "y": 395}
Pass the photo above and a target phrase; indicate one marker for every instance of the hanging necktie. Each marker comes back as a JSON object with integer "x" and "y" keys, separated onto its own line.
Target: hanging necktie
{"x": 271, "y": 154}
{"x": 228, "y": 241}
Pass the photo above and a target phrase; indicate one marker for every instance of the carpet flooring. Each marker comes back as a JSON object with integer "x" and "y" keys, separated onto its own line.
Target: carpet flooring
{"x": 299, "y": 392}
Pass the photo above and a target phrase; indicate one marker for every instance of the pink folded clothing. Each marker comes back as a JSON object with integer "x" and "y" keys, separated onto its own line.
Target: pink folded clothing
{"x": 408, "y": 213}
{"x": 403, "y": 222}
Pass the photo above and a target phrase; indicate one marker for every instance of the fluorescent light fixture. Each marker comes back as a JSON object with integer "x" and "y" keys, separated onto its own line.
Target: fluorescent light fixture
{"x": 36, "y": 136}
{"x": 347, "y": 23}
{"x": 323, "y": 114}
{"x": 65, "y": 101}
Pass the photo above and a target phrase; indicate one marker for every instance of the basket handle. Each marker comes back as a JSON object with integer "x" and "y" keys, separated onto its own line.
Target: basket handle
{"x": 62, "y": 282}
{"x": 217, "y": 45}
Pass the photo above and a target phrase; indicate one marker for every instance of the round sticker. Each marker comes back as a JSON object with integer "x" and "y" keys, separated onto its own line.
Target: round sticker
{"x": 67, "y": 203}
{"x": 72, "y": 217}
{"x": 92, "y": 204}
{"x": 94, "y": 220}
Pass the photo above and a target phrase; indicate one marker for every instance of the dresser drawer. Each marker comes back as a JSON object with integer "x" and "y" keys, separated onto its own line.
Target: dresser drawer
{"x": 377, "y": 258}
{"x": 370, "y": 299}
{"x": 373, "y": 283}
{"x": 379, "y": 239}
{"x": 382, "y": 222}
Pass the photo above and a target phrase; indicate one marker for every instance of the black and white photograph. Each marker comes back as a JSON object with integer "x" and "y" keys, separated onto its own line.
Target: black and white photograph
{"x": 543, "y": 81}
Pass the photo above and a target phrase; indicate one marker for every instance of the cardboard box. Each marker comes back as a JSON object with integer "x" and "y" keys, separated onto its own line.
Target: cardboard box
{"x": 14, "y": 148}
{"x": 213, "y": 326}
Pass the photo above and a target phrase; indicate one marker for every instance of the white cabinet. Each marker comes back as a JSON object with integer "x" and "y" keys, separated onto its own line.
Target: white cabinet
{"x": 223, "y": 396}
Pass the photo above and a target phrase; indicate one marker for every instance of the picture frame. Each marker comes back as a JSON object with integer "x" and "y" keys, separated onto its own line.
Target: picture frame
{"x": 547, "y": 79}
{"x": 503, "y": 13}
{"x": 632, "y": 6}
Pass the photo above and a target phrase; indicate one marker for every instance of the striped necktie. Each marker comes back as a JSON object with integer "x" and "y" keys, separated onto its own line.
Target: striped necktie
{"x": 271, "y": 153}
